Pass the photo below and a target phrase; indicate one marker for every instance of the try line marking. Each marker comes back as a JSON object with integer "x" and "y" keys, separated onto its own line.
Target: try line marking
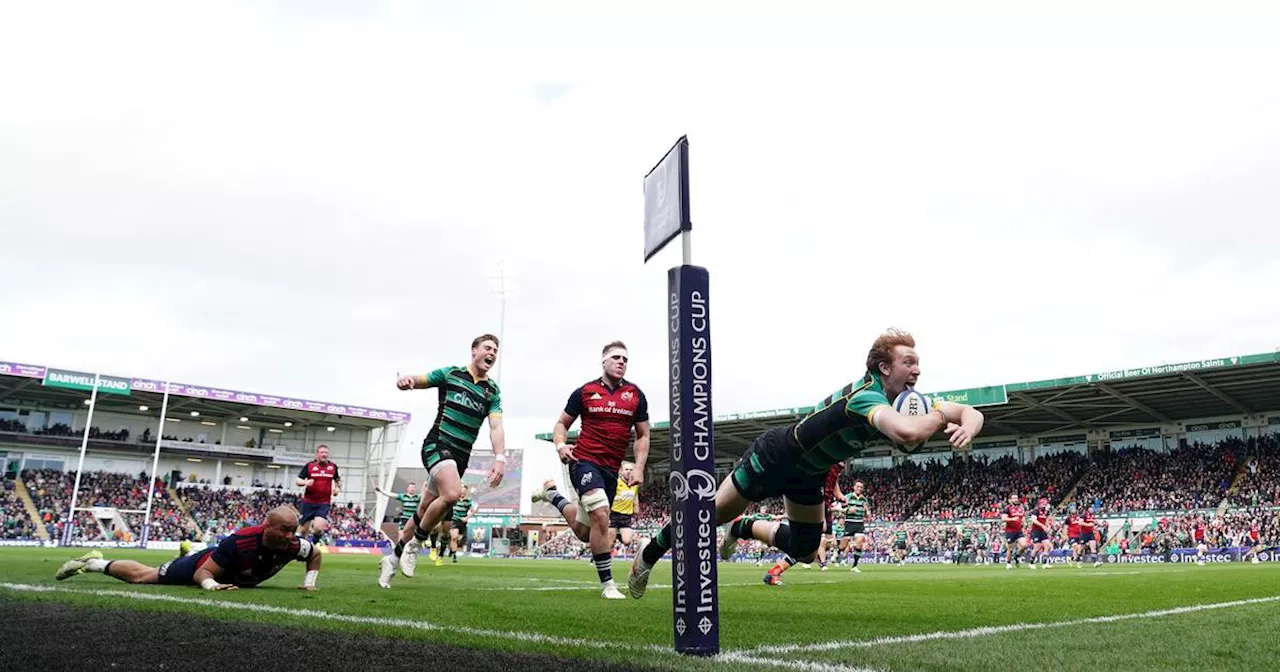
{"x": 985, "y": 630}
{"x": 532, "y": 637}
{"x": 596, "y": 586}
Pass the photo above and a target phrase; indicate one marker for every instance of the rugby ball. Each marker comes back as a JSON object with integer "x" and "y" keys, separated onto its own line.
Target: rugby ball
{"x": 911, "y": 402}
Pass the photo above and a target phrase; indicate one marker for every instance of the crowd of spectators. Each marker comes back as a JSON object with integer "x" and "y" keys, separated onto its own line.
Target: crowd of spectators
{"x": 976, "y": 488}
{"x": 895, "y": 491}
{"x": 221, "y": 511}
{"x": 14, "y": 521}
{"x": 1260, "y": 483}
{"x": 1138, "y": 479}
{"x": 50, "y": 491}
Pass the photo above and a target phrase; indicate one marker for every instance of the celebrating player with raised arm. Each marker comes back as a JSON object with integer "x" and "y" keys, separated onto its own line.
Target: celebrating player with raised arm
{"x": 409, "y": 500}
{"x": 467, "y": 398}
{"x": 793, "y": 461}
{"x": 610, "y": 407}
{"x": 243, "y": 560}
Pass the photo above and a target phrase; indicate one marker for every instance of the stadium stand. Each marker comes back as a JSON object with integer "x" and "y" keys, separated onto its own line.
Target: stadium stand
{"x": 14, "y": 521}
{"x": 217, "y": 511}
{"x": 221, "y": 510}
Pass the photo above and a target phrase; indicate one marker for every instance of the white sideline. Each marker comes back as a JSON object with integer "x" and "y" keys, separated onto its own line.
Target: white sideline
{"x": 740, "y": 658}
{"x": 533, "y": 637}
{"x": 596, "y": 586}
{"x": 997, "y": 629}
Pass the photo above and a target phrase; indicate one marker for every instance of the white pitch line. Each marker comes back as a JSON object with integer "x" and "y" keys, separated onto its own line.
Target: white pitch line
{"x": 533, "y": 637}
{"x": 998, "y": 629}
{"x": 538, "y": 589}
{"x": 740, "y": 658}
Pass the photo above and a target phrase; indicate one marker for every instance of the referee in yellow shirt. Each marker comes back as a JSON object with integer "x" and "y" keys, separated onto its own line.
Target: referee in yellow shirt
{"x": 621, "y": 516}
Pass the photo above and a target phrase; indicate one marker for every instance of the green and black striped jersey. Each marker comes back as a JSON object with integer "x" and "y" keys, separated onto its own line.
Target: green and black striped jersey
{"x": 408, "y": 504}
{"x": 465, "y": 402}
{"x": 855, "y": 510}
{"x": 840, "y": 427}
{"x": 461, "y": 508}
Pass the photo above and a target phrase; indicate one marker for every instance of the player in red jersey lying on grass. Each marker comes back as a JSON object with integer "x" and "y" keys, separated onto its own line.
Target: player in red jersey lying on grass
{"x": 243, "y": 560}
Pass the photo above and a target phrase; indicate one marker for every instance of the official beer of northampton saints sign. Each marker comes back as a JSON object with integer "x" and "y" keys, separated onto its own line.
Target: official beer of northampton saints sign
{"x": 73, "y": 380}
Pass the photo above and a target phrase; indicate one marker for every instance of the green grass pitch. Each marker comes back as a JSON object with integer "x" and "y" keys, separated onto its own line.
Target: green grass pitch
{"x": 918, "y": 617}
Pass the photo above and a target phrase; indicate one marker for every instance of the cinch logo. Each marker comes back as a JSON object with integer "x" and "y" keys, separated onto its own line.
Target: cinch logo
{"x": 465, "y": 400}
{"x": 697, "y": 481}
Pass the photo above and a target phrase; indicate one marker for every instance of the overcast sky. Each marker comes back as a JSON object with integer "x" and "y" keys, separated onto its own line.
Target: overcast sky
{"x": 304, "y": 198}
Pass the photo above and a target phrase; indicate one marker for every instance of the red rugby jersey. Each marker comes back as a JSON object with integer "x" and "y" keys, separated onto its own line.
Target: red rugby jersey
{"x": 1016, "y": 512}
{"x": 324, "y": 475}
{"x": 246, "y": 561}
{"x": 833, "y": 479}
{"x": 608, "y": 417}
{"x": 1042, "y": 517}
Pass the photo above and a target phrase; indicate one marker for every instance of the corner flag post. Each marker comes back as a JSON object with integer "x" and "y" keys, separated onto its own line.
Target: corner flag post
{"x": 692, "y": 482}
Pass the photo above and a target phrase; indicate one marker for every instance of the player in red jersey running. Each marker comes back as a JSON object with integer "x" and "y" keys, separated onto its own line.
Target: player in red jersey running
{"x": 1089, "y": 538}
{"x": 1041, "y": 537}
{"x": 243, "y": 560}
{"x": 1015, "y": 540}
{"x": 322, "y": 482}
{"x": 1254, "y": 540}
{"x": 1199, "y": 537}
{"x": 1073, "y": 535}
{"x": 610, "y": 407}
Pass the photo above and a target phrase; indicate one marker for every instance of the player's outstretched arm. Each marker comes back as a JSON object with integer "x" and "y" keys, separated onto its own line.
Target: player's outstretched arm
{"x": 207, "y": 576}
{"x": 908, "y": 430}
{"x": 423, "y": 381}
{"x": 313, "y": 570}
{"x": 968, "y": 422}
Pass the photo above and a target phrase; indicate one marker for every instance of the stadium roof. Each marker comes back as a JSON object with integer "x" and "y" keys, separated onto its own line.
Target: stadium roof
{"x": 47, "y": 387}
{"x": 1153, "y": 395}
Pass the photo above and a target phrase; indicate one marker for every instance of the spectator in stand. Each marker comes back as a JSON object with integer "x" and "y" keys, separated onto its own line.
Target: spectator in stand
{"x": 14, "y": 521}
